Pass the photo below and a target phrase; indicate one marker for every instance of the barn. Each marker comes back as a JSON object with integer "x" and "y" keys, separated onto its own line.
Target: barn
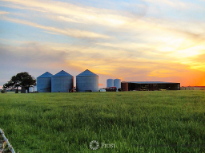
{"x": 148, "y": 85}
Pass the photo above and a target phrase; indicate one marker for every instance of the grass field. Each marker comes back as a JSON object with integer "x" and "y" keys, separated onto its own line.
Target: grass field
{"x": 155, "y": 122}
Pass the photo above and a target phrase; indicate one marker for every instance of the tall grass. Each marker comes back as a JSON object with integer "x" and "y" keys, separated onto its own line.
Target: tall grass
{"x": 167, "y": 121}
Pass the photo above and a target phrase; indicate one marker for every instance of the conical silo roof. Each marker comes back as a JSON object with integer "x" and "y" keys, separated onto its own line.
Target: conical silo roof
{"x": 62, "y": 73}
{"x": 87, "y": 73}
{"x": 45, "y": 75}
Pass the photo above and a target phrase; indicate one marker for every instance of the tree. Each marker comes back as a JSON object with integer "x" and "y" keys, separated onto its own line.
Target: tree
{"x": 8, "y": 85}
{"x": 22, "y": 79}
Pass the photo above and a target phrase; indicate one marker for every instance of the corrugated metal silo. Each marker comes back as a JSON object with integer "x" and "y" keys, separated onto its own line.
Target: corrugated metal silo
{"x": 30, "y": 89}
{"x": 44, "y": 82}
{"x": 87, "y": 81}
{"x": 34, "y": 88}
{"x": 110, "y": 83}
{"x": 117, "y": 83}
{"x": 61, "y": 82}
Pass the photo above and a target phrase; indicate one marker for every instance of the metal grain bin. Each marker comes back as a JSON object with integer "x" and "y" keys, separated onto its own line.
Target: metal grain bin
{"x": 30, "y": 89}
{"x": 87, "y": 81}
{"x": 117, "y": 83}
{"x": 34, "y": 88}
{"x": 61, "y": 82}
{"x": 44, "y": 82}
{"x": 110, "y": 83}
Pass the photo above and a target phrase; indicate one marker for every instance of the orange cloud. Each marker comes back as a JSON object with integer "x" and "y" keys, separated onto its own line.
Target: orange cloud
{"x": 46, "y": 57}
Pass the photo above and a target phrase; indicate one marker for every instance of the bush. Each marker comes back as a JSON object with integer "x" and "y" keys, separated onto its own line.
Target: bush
{"x": 3, "y": 91}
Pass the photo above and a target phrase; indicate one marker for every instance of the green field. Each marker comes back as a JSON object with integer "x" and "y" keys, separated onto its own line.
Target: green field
{"x": 150, "y": 121}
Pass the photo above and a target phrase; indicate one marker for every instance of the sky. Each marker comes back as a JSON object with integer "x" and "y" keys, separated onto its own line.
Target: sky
{"x": 133, "y": 40}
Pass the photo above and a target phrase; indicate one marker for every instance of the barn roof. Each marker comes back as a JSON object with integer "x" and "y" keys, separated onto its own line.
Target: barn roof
{"x": 149, "y": 82}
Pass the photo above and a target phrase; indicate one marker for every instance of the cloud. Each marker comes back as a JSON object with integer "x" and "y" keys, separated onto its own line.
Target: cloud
{"x": 3, "y": 12}
{"x": 118, "y": 21}
{"x": 199, "y": 58}
{"x": 36, "y": 58}
{"x": 115, "y": 41}
{"x": 80, "y": 13}
{"x": 179, "y": 4}
{"x": 20, "y": 7}
{"x": 68, "y": 32}
{"x": 31, "y": 57}
{"x": 30, "y": 53}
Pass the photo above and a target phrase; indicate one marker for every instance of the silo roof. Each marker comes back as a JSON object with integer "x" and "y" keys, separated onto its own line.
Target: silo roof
{"x": 87, "y": 73}
{"x": 45, "y": 75}
{"x": 63, "y": 73}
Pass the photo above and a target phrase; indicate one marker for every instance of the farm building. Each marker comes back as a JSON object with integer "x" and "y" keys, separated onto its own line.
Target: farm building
{"x": 154, "y": 85}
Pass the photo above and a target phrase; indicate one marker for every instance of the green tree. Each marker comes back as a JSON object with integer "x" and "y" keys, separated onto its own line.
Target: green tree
{"x": 22, "y": 79}
{"x": 9, "y": 85}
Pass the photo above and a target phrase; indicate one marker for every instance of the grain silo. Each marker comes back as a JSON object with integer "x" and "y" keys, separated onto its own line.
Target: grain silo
{"x": 34, "y": 88}
{"x": 117, "y": 83}
{"x": 87, "y": 81}
{"x": 61, "y": 82}
{"x": 44, "y": 82}
{"x": 30, "y": 89}
{"x": 110, "y": 83}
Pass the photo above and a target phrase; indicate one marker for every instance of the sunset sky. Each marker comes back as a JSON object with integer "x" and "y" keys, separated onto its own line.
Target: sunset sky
{"x": 134, "y": 40}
